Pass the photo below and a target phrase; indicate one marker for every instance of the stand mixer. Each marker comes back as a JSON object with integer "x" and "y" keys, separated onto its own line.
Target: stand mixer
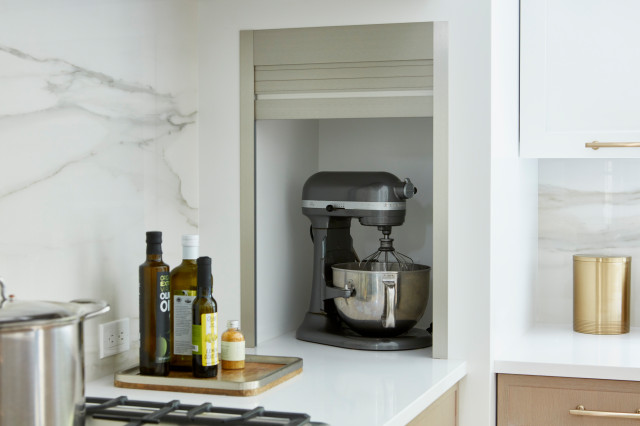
{"x": 373, "y": 303}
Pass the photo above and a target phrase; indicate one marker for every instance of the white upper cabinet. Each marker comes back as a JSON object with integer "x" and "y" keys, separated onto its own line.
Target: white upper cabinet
{"x": 579, "y": 78}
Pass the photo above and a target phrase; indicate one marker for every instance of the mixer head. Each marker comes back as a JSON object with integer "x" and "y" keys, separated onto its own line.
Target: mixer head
{"x": 374, "y": 198}
{"x": 386, "y": 253}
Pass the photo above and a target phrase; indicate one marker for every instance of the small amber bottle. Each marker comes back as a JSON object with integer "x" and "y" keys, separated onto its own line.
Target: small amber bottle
{"x": 232, "y": 356}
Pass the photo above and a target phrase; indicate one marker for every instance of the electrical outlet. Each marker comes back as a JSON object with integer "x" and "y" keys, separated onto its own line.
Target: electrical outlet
{"x": 114, "y": 337}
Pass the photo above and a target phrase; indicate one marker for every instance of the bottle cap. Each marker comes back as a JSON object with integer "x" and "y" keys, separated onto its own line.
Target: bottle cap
{"x": 204, "y": 273}
{"x": 154, "y": 237}
{"x": 204, "y": 261}
{"x": 190, "y": 240}
{"x": 233, "y": 324}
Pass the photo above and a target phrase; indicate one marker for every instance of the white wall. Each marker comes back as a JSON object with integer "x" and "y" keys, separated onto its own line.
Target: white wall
{"x": 99, "y": 144}
{"x": 514, "y": 196}
{"x": 402, "y": 146}
{"x": 513, "y": 192}
{"x": 286, "y": 155}
{"x": 469, "y": 132}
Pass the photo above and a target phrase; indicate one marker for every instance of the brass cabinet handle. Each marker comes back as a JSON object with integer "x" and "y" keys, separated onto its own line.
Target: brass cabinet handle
{"x": 595, "y": 145}
{"x": 580, "y": 411}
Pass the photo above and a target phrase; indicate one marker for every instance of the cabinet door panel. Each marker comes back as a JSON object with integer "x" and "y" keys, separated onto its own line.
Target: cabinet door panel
{"x": 535, "y": 400}
{"x": 443, "y": 412}
{"x": 579, "y": 77}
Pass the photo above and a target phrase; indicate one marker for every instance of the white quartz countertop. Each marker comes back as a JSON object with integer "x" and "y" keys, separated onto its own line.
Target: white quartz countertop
{"x": 337, "y": 386}
{"x": 556, "y": 350}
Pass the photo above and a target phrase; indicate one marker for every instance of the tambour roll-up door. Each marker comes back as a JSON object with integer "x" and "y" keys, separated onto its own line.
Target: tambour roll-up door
{"x": 344, "y": 72}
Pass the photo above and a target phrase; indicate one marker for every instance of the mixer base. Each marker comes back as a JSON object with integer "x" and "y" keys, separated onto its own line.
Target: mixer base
{"x": 319, "y": 328}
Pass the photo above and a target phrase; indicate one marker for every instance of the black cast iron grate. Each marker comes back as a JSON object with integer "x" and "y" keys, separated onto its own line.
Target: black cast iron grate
{"x": 139, "y": 413}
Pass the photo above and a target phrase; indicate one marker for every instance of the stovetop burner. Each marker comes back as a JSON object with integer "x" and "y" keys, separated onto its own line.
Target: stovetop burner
{"x": 138, "y": 413}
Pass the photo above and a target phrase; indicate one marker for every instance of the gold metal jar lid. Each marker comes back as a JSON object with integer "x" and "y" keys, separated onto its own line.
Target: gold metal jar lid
{"x": 601, "y": 258}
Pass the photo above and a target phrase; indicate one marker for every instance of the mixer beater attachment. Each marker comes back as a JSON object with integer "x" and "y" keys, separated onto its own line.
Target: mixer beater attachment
{"x": 387, "y": 253}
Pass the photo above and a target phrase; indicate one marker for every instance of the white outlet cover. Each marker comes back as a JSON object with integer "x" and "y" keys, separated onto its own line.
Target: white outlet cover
{"x": 114, "y": 337}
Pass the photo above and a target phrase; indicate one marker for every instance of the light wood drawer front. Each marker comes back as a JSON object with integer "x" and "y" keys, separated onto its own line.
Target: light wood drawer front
{"x": 537, "y": 400}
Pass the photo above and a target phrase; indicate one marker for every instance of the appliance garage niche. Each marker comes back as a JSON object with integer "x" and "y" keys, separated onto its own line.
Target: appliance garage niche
{"x": 316, "y": 109}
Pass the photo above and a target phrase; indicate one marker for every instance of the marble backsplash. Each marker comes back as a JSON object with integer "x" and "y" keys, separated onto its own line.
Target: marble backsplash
{"x": 584, "y": 207}
{"x": 98, "y": 143}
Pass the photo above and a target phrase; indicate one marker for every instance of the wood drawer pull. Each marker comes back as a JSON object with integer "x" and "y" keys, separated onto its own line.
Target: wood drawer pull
{"x": 580, "y": 411}
{"x": 595, "y": 145}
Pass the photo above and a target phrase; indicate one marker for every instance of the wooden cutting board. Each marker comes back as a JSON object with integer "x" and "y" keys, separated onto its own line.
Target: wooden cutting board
{"x": 261, "y": 372}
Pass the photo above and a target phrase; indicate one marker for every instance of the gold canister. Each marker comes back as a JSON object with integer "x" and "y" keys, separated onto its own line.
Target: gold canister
{"x": 601, "y": 289}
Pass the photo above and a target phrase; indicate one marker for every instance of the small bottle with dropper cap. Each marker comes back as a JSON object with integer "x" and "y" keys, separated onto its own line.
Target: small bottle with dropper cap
{"x": 233, "y": 347}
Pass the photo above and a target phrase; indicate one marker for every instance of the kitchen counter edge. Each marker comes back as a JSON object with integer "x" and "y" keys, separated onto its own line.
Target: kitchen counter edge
{"x": 416, "y": 395}
{"x": 557, "y": 350}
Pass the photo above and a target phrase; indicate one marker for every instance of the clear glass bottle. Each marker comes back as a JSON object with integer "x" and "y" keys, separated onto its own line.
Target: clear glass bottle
{"x": 233, "y": 347}
{"x": 184, "y": 285}
{"x": 205, "y": 324}
{"x": 154, "y": 291}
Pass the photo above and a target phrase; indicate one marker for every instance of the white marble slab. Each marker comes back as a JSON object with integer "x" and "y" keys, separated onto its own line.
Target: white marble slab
{"x": 585, "y": 207}
{"x": 98, "y": 143}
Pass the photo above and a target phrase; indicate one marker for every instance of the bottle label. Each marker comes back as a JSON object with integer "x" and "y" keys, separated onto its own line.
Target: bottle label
{"x": 205, "y": 339}
{"x": 232, "y": 351}
{"x": 182, "y": 305}
{"x": 163, "y": 323}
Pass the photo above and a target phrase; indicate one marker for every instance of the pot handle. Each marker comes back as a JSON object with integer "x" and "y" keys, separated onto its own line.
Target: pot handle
{"x": 89, "y": 308}
{"x": 390, "y": 286}
{"x": 2, "y": 297}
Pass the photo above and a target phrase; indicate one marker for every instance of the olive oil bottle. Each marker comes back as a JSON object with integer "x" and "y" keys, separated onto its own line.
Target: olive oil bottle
{"x": 184, "y": 285}
{"x": 205, "y": 324}
{"x": 155, "y": 338}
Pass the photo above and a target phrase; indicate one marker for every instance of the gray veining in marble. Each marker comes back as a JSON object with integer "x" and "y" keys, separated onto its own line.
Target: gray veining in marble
{"x": 98, "y": 144}
{"x": 112, "y": 101}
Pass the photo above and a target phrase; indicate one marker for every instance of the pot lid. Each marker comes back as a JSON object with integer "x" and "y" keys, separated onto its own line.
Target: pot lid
{"x": 27, "y": 311}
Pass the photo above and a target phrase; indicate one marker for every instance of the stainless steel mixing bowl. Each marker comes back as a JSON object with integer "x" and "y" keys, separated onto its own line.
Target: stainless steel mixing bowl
{"x": 388, "y": 298}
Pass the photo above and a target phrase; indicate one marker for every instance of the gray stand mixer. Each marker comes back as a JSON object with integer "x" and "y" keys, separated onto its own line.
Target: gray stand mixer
{"x": 373, "y": 303}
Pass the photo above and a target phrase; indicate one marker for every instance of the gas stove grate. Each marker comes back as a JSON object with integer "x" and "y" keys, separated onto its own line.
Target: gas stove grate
{"x": 139, "y": 413}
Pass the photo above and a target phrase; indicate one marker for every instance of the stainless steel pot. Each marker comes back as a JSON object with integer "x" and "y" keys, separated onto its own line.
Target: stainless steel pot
{"x": 386, "y": 300}
{"x": 42, "y": 361}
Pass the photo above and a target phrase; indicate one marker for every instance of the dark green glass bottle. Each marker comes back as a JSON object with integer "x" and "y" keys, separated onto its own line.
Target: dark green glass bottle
{"x": 204, "y": 359}
{"x": 155, "y": 292}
